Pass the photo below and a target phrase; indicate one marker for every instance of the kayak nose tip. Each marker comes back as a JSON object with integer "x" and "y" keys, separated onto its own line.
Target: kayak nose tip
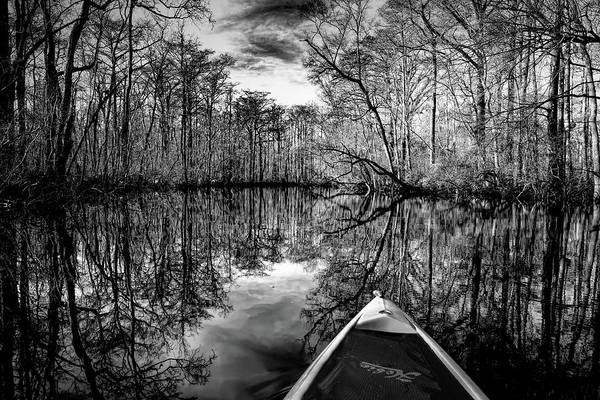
{"x": 376, "y": 293}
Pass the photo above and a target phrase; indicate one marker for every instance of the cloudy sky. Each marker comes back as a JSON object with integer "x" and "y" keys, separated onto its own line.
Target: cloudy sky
{"x": 264, "y": 36}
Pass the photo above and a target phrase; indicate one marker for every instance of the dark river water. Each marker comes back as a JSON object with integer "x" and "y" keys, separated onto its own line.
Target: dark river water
{"x": 230, "y": 294}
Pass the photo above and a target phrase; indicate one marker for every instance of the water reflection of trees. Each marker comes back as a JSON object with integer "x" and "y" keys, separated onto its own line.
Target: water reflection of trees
{"x": 511, "y": 292}
{"x": 97, "y": 299}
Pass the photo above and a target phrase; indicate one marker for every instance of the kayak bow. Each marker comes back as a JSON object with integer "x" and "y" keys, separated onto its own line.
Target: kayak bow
{"x": 383, "y": 354}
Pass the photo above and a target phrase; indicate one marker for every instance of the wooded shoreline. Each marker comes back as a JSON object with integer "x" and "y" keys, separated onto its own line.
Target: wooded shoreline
{"x": 456, "y": 100}
{"x": 39, "y": 195}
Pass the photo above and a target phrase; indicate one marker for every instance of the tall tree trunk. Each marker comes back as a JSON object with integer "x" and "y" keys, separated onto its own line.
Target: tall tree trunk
{"x": 556, "y": 165}
{"x": 52, "y": 90}
{"x": 510, "y": 125}
{"x": 61, "y": 118}
{"x": 523, "y": 125}
{"x": 22, "y": 23}
{"x": 593, "y": 121}
{"x": 480, "y": 117}
{"x": 184, "y": 117}
{"x": 67, "y": 112}
{"x": 210, "y": 140}
{"x": 125, "y": 122}
{"x": 568, "y": 112}
{"x": 6, "y": 93}
{"x": 432, "y": 143}
{"x": 586, "y": 135}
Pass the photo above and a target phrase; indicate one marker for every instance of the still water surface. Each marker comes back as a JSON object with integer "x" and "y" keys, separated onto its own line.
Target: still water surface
{"x": 230, "y": 294}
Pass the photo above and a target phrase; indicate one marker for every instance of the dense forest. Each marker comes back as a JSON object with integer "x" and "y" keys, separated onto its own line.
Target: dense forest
{"x": 496, "y": 93}
{"x": 461, "y": 95}
{"x": 119, "y": 92}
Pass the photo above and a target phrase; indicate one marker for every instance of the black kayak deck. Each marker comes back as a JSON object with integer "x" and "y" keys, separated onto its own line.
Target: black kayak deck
{"x": 371, "y": 365}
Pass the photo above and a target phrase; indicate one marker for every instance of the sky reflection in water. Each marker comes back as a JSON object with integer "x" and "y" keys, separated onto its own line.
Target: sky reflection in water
{"x": 257, "y": 342}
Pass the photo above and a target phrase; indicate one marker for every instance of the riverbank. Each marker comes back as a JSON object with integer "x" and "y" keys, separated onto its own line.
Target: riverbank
{"x": 460, "y": 188}
{"x": 45, "y": 192}
{"x": 467, "y": 186}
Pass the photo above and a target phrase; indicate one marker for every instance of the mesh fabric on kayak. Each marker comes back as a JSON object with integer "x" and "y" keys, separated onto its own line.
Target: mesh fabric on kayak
{"x": 371, "y": 365}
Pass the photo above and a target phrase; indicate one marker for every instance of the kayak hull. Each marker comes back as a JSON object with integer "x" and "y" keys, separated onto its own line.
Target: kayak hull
{"x": 383, "y": 354}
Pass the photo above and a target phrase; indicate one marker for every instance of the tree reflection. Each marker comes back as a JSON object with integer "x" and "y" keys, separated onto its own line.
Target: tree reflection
{"x": 511, "y": 292}
{"x": 97, "y": 300}
{"x": 86, "y": 324}
{"x": 100, "y": 300}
